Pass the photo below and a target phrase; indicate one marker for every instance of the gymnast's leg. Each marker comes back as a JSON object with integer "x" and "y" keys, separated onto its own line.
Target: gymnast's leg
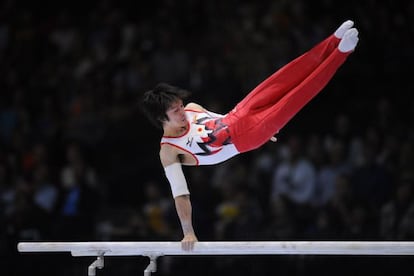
{"x": 258, "y": 126}
{"x": 292, "y": 74}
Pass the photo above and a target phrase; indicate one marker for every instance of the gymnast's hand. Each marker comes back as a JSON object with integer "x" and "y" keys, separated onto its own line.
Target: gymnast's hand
{"x": 188, "y": 242}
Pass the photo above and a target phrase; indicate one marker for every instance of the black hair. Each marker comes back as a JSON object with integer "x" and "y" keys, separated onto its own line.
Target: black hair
{"x": 157, "y": 101}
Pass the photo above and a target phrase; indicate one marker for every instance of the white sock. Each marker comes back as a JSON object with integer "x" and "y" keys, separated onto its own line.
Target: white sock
{"x": 349, "y": 41}
{"x": 339, "y": 33}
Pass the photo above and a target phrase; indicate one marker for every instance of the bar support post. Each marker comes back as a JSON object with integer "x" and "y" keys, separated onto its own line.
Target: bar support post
{"x": 152, "y": 266}
{"x": 98, "y": 263}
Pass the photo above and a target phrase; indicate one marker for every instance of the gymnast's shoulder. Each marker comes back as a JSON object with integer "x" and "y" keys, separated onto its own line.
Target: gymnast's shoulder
{"x": 194, "y": 106}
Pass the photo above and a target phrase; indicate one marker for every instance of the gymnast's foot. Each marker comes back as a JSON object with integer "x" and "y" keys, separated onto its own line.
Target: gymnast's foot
{"x": 339, "y": 33}
{"x": 349, "y": 41}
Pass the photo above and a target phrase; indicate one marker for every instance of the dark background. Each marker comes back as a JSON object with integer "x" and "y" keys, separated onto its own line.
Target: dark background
{"x": 78, "y": 162}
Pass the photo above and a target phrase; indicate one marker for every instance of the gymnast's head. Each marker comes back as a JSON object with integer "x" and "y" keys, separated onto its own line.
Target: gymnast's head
{"x": 156, "y": 102}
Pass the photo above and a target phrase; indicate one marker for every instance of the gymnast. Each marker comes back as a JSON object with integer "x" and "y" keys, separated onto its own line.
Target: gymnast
{"x": 194, "y": 136}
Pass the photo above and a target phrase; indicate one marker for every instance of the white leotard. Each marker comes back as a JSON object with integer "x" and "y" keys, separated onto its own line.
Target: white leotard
{"x": 195, "y": 140}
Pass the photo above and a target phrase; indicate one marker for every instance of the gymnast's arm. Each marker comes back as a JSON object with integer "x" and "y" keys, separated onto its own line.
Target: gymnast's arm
{"x": 198, "y": 107}
{"x": 184, "y": 210}
{"x": 179, "y": 189}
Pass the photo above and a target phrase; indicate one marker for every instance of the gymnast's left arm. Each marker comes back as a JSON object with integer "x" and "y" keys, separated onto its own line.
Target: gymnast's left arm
{"x": 198, "y": 107}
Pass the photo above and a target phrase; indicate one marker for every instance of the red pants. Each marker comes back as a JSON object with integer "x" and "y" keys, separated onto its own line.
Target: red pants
{"x": 266, "y": 109}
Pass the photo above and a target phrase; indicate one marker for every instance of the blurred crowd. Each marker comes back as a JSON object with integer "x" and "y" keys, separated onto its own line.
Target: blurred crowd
{"x": 78, "y": 162}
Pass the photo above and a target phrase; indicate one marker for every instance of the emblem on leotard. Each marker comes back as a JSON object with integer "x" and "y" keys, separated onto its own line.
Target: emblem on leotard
{"x": 214, "y": 135}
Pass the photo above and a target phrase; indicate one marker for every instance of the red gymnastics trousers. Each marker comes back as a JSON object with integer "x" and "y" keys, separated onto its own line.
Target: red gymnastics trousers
{"x": 267, "y": 108}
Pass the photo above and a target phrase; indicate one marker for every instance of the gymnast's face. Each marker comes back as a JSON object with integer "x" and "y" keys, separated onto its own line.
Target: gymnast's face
{"x": 176, "y": 114}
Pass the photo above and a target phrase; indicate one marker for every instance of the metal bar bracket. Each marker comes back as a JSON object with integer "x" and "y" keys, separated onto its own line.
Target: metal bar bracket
{"x": 98, "y": 263}
{"x": 152, "y": 266}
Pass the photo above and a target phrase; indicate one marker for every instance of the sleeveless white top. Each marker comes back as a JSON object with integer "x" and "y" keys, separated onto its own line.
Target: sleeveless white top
{"x": 195, "y": 140}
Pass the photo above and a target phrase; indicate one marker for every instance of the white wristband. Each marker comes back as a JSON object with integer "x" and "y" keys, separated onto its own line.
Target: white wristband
{"x": 175, "y": 176}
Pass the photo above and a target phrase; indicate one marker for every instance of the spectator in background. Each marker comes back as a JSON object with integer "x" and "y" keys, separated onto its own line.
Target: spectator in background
{"x": 335, "y": 164}
{"x": 45, "y": 190}
{"x": 371, "y": 176}
{"x": 239, "y": 214}
{"x": 25, "y": 219}
{"x": 337, "y": 211}
{"x": 282, "y": 223}
{"x": 79, "y": 197}
{"x": 397, "y": 215}
{"x": 156, "y": 210}
{"x": 294, "y": 178}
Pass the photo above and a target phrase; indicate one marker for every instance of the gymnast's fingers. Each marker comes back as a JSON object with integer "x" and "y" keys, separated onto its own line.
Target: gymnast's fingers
{"x": 188, "y": 242}
{"x": 187, "y": 245}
